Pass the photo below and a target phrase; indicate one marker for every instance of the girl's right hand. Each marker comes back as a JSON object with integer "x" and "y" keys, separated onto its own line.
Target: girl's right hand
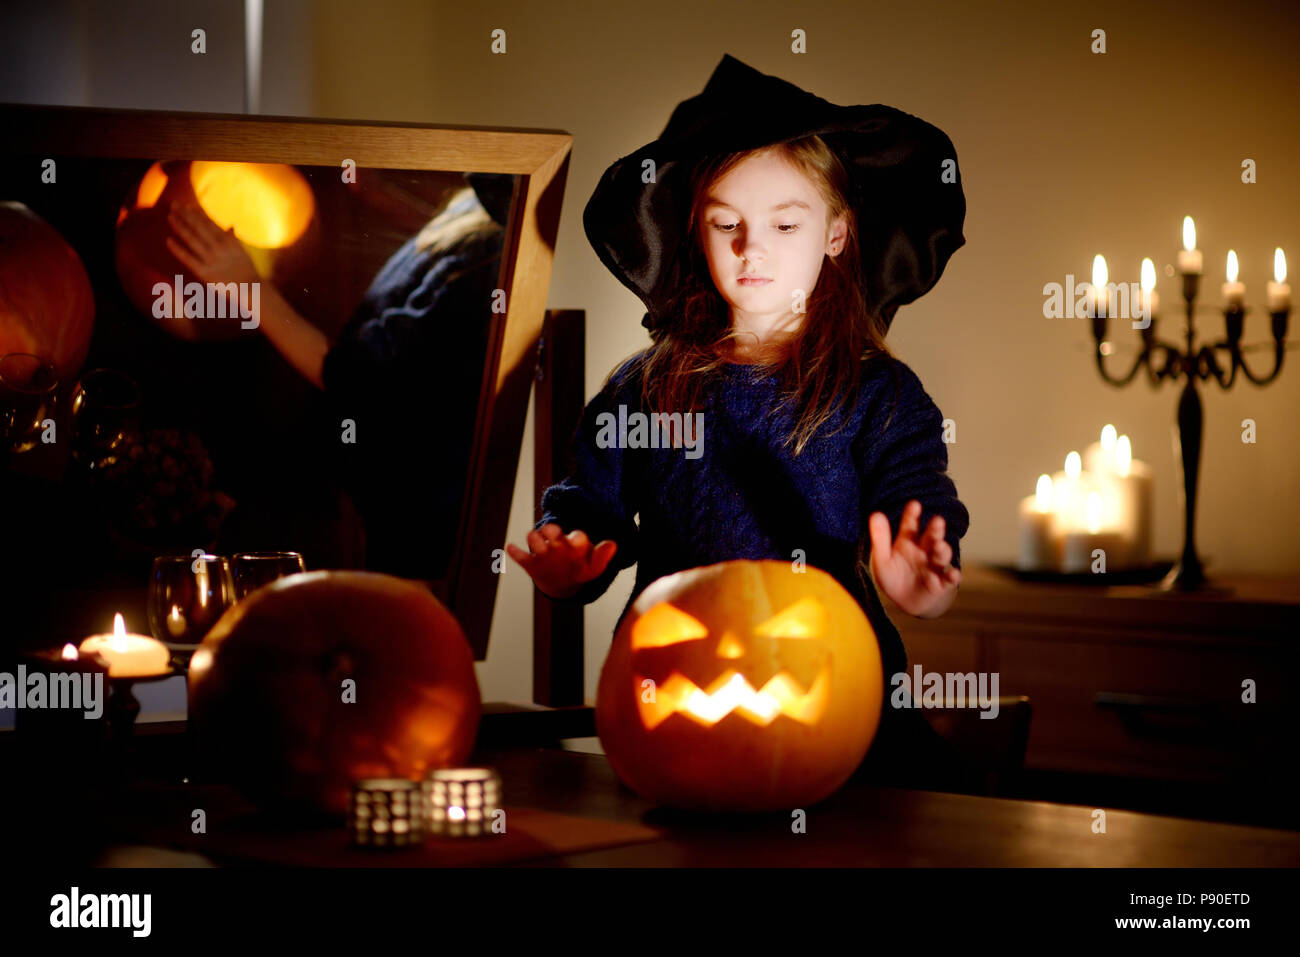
{"x": 560, "y": 564}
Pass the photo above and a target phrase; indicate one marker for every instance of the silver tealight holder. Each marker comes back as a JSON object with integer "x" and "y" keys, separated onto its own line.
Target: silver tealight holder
{"x": 386, "y": 812}
{"x": 461, "y": 802}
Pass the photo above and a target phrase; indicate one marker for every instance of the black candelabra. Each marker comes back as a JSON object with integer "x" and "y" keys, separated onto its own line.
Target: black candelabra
{"x": 1163, "y": 360}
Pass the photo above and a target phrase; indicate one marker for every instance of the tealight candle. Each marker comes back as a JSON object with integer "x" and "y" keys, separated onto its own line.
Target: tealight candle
{"x": 1279, "y": 293}
{"x": 1189, "y": 257}
{"x": 462, "y": 801}
{"x": 386, "y": 812}
{"x": 129, "y": 656}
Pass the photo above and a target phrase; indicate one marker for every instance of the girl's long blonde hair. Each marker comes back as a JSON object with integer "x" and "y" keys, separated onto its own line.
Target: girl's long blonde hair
{"x": 819, "y": 366}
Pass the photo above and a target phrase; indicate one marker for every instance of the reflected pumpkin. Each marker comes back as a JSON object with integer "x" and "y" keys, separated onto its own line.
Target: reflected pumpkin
{"x": 47, "y": 306}
{"x": 270, "y": 206}
{"x": 746, "y": 686}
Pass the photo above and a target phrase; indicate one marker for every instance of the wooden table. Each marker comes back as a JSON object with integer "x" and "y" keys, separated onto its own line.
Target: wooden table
{"x": 861, "y": 825}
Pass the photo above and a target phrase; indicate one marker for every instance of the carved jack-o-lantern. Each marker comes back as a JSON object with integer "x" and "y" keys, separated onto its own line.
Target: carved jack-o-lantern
{"x": 746, "y": 685}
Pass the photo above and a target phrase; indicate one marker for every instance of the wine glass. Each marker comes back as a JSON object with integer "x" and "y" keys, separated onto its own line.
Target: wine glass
{"x": 105, "y": 414}
{"x": 252, "y": 570}
{"x": 187, "y": 594}
{"x": 28, "y": 385}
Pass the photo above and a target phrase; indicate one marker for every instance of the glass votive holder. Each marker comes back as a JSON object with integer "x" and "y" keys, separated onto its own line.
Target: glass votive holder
{"x": 461, "y": 802}
{"x": 386, "y": 812}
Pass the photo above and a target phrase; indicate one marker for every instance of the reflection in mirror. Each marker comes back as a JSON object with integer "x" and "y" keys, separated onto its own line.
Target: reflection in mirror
{"x": 275, "y": 357}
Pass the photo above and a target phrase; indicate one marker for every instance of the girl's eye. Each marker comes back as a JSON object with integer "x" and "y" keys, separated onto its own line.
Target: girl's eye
{"x": 728, "y": 227}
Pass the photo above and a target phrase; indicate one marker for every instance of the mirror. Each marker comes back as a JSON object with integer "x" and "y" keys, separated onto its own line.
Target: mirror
{"x": 297, "y": 336}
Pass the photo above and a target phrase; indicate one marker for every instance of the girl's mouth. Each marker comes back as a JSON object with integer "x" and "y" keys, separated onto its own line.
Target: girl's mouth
{"x": 754, "y": 282}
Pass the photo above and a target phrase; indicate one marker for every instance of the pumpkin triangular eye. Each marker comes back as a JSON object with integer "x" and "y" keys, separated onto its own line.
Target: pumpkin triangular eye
{"x": 804, "y": 619}
{"x": 665, "y": 624}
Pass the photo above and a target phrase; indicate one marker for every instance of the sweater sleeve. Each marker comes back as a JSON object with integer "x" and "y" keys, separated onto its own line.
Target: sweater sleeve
{"x": 600, "y": 496}
{"x": 908, "y": 460}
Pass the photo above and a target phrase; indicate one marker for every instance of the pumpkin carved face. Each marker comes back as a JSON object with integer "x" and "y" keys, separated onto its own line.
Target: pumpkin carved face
{"x": 745, "y": 685}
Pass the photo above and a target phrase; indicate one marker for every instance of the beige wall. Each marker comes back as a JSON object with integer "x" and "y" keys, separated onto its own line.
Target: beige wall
{"x": 1063, "y": 153}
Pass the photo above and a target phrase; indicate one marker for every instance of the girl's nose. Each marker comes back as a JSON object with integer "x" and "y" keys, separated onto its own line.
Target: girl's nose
{"x": 748, "y": 248}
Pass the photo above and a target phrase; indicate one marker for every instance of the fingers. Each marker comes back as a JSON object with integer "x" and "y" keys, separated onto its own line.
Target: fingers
{"x": 518, "y": 554}
{"x": 910, "y": 523}
{"x": 189, "y": 226}
{"x": 183, "y": 254}
{"x": 878, "y": 527}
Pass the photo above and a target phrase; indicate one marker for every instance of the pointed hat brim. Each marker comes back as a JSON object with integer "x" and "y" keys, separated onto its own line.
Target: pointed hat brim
{"x": 910, "y": 214}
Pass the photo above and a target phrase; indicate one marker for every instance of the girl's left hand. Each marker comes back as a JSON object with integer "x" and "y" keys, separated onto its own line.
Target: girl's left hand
{"x": 916, "y": 571}
{"x": 211, "y": 254}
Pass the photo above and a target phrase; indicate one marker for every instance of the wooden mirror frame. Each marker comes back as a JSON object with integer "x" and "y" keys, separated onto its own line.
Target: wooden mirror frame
{"x": 539, "y": 157}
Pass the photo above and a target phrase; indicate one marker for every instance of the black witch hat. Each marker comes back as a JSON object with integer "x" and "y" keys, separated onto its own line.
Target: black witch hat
{"x": 909, "y": 217}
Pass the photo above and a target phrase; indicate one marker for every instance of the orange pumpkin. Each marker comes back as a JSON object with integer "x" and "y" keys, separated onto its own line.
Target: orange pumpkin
{"x": 741, "y": 686}
{"x": 269, "y": 692}
{"x": 47, "y": 306}
{"x": 270, "y": 206}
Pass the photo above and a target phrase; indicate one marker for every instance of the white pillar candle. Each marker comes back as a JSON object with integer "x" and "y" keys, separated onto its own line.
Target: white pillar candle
{"x": 1234, "y": 293}
{"x": 1279, "y": 293}
{"x": 1150, "y": 299}
{"x": 1099, "y": 457}
{"x": 1039, "y": 545}
{"x": 1189, "y": 257}
{"x": 1078, "y": 545}
{"x": 129, "y": 656}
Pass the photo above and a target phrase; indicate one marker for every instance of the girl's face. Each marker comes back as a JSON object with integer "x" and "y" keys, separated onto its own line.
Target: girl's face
{"x": 765, "y": 219}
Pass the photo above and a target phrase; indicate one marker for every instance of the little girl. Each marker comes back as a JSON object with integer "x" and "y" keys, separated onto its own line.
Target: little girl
{"x": 772, "y": 235}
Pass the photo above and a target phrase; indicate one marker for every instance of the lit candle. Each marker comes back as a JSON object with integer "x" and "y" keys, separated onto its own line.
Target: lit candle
{"x": 1099, "y": 457}
{"x": 1078, "y": 545}
{"x": 1234, "y": 293}
{"x": 1133, "y": 485}
{"x": 1189, "y": 257}
{"x": 1100, "y": 275}
{"x": 1279, "y": 293}
{"x": 1038, "y": 541}
{"x": 1067, "y": 498}
{"x": 129, "y": 656}
{"x": 1150, "y": 299}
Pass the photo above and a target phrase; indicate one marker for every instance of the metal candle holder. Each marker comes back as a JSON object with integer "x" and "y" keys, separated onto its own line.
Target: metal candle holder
{"x": 1192, "y": 364}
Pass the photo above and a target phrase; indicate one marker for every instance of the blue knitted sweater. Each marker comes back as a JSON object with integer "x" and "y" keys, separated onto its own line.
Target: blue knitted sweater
{"x": 741, "y": 494}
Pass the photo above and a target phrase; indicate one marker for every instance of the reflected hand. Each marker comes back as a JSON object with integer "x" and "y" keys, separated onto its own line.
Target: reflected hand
{"x": 208, "y": 252}
{"x": 916, "y": 571}
{"x": 560, "y": 563}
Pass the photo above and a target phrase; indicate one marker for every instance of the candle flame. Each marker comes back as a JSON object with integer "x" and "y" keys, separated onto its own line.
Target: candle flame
{"x": 1073, "y": 465}
{"x": 1148, "y": 275}
{"x": 1232, "y": 265}
{"x": 1099, "y": 272}
{"x": 1043, "y": 493}
{"x": 1094, "y": 512}
{"x": 1108, "y": 434}
{"x": 1189, "y": 234}
{"x": 119, "y": 633}
{"x": 1279, "y": 266}
{"x": 1123, "y": 456}
{"x": 70, "y": 652}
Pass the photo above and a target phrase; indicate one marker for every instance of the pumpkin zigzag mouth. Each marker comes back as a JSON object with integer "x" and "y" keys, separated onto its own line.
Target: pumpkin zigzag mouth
{"x": 732, "y": 692}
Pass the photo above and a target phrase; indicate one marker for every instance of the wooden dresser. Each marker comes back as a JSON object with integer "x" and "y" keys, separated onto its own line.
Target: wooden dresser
{"x": 1133, "y": 682}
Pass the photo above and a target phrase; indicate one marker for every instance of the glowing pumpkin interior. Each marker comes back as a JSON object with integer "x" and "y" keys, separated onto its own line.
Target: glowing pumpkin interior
{"x": 269, "y": 205}
{"x": 796, "y": 684}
